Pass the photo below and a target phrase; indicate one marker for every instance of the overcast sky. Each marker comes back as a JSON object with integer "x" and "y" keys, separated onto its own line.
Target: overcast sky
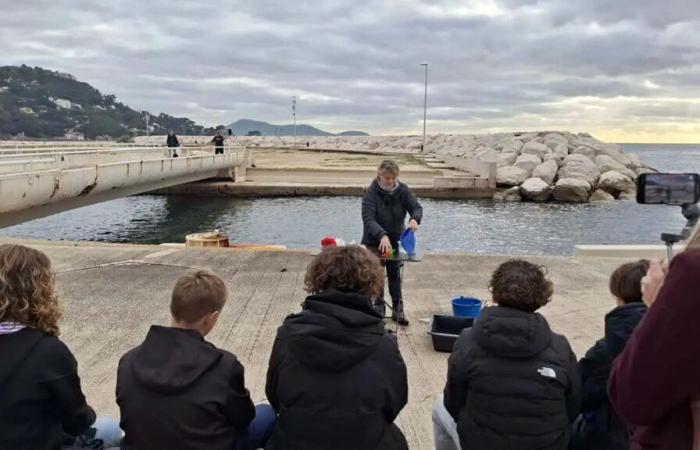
{"x": 624, "y": 70}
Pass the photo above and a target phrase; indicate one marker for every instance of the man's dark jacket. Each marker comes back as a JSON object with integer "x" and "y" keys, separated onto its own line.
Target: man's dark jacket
{"x": 601, "y": 428}
{"x": 336, "y": 378}
{"x": 179, "y": 392}
{"x": 41, "y": 403}
{"x": 512, "y": 383}
{"x": 384, "y": 213}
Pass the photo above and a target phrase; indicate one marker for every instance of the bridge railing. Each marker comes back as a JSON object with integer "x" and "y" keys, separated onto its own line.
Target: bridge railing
{"x": 10, "y": 152}
{"x": 63, "y": 159}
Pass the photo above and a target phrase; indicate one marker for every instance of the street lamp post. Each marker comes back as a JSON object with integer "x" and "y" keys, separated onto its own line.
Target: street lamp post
{"x": 425, "y": 109}
{"x": 294, "y": 115}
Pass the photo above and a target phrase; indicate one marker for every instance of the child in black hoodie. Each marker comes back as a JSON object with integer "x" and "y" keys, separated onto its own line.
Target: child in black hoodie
{"x": 599, "y": 428}
{"x": 336, "y": 376}
{"x": 178, "y": 391}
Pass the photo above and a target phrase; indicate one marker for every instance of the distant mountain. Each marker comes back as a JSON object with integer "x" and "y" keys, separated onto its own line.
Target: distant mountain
{"x": 244, "y": 126}
{"x": 352, "y": 133}
{"x": 44, "y": 104}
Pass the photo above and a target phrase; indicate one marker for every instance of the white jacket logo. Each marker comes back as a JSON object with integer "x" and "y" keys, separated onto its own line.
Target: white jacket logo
{"x": 547, "y": 372}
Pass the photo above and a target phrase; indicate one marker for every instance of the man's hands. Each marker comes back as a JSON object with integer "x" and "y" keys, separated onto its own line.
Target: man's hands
{"x": 385, "y": 245}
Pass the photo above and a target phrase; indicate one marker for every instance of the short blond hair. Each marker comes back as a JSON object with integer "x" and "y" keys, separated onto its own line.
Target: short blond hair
{"x": 197, "y": 294}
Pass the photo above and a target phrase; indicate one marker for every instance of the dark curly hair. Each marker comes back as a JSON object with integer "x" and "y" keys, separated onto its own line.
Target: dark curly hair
{"x": 521, "y": 285}
{"x": 27, "y": 289}
{"x": 347, "y": 269}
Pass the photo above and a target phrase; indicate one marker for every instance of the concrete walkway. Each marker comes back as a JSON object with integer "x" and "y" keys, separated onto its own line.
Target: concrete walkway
{"x": 111, "y": 294}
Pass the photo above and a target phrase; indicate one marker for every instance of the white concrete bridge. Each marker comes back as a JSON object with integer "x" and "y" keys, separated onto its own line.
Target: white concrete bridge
{"x": 40, "y": 181}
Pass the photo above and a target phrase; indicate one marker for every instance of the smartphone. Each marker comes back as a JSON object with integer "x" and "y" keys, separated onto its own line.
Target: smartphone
{"x": 668, "y": 188}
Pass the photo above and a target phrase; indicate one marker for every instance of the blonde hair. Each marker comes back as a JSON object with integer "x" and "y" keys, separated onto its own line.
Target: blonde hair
{"x": 27, "y": 289}
{"x": 197, "y": 294}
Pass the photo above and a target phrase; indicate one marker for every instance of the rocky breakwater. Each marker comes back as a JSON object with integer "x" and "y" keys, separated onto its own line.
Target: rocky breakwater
{"x": 532, "y": 166}
{"x": 564, "y": 167}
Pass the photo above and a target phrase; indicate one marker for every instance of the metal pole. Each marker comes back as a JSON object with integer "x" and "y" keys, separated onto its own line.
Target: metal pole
{"x": 294, "y": 114}
{"x": 425, "y": 109}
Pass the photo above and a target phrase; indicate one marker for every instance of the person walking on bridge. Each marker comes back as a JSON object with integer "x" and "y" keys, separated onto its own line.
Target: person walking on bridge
{"x": 173, "y": 143}
{"x": 218, "y": 142}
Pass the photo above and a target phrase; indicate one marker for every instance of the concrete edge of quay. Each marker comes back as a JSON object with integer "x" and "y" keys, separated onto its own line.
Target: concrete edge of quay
{"x": 251, "y": 189}
{"x": 580, "y": 251}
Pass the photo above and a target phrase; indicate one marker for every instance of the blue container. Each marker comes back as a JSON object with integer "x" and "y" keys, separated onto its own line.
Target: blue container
{"x": 466, "y": 307}
{"x": 408, "y": 241}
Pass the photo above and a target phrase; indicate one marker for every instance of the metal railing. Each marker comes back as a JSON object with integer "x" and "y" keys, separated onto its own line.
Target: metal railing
{"x": 91, "y": 150}
{"x": 63, "y": 159}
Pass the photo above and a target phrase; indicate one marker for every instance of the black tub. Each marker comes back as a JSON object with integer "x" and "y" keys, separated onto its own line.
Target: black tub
{"x": 446, "y": 329}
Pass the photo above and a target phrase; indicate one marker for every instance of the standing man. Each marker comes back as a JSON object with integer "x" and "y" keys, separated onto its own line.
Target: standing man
{"x": 173, "y": 143}
{"x": 218, "y": 143}
{"x": 384, "y": 209}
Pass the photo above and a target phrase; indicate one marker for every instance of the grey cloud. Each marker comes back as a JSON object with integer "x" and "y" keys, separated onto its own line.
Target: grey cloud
{"x": 355, "y": 64}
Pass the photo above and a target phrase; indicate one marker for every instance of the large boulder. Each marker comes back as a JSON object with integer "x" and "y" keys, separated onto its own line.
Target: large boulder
{"x": 547, "y": 171}
{"x": 600, "y": 195}
{"x": 509, "y": 195}
{"x": 512, "y": 146}
{"x": 615, "y": 183}
{"x": 580, "y": 167}
{"x": 535, "y": 148}
{"x": 562, "y": 150}
{"x": 585, "y": 151}
{"x": 486, "y": 154}
{"x": 559, "y": 159}
{"x": 615, "y": 152}
{"x": 572, "y": 190}
{"x": 511, "y": 176}
{"x": 552, "y": 140}
{"x": 528, "y": 162}
{"x": 506, "y": 159}
{"x": 536, "y": 190}
{"x": 635, "y": 161}
{"x": 606, "y": 163}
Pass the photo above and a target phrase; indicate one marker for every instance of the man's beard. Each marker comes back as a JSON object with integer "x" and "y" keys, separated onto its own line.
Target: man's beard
{"x": 388, "y": 188}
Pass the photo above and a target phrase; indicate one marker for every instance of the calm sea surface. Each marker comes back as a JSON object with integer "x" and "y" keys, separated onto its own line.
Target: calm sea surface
{"x": 448, "y": 225}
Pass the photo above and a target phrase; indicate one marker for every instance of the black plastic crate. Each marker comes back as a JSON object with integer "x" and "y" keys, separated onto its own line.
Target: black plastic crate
{"x": 446, "y": 329}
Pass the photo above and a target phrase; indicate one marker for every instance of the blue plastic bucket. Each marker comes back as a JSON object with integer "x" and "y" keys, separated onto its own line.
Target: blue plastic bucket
{"x": 466, "y": 307}
{"x": 408, "y": 241}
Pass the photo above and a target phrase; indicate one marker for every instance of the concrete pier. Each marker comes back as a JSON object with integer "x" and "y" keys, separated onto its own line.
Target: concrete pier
{"x": 279, "y": 172}
{"x": 111, "y": 294}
